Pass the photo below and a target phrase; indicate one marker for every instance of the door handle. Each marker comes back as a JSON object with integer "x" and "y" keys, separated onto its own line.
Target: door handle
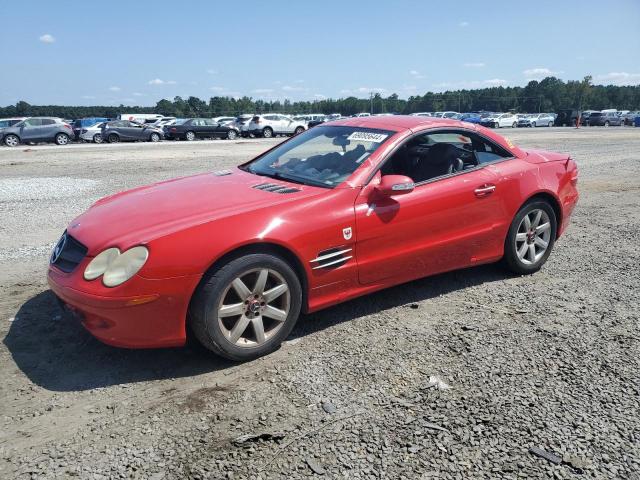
{"x": 484, "y": 190}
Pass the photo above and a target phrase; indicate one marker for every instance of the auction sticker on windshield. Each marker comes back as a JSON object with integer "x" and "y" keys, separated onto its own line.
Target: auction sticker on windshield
{"x": 367, "y": 137}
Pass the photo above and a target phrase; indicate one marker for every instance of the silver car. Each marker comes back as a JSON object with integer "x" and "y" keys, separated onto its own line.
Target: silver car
{"x": 92, "y": 133}
{"x": 272, "y": 124}
{"x": 37, "y": 129}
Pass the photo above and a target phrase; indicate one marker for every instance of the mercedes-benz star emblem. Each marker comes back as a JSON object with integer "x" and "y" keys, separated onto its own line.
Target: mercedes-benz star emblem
{"x": 58, "y": 249}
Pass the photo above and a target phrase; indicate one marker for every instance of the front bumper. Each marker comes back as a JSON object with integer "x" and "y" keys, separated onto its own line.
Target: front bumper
{"x": 145, "y": 314}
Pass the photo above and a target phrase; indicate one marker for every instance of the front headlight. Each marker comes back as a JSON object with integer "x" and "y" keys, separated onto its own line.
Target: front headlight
{"x": 116, "y": 268}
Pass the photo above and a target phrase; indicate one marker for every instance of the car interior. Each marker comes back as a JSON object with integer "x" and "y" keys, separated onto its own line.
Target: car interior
{"x": 434, "y": 155}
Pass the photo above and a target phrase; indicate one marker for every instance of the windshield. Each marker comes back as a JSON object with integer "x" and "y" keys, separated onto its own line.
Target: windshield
{"x": 324, "y": 156}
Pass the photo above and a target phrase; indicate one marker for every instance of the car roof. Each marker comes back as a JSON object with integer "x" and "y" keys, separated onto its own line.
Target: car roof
{"x": 399, "y": 123}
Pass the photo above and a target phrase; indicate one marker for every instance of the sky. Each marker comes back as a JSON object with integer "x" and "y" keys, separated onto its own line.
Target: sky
{"x": 136, "y": 53}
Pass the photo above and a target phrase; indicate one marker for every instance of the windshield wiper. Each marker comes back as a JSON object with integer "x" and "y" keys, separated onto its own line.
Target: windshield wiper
{"x": 290, "y": 178}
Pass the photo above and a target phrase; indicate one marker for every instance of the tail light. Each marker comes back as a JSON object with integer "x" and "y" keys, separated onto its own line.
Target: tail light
{"x": 66, "y": 125}
{"x": 84, "y": 130}
{"x": 173, "y": 129}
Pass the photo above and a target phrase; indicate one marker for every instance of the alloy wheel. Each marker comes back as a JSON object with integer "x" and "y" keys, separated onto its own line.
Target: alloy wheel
{"x": 11, "y": 141}
{"x": 533, "y": 236}
{"x": 190, "y": 136}
{"x": 249, "y": 317}
{"x": 62, "y": 139}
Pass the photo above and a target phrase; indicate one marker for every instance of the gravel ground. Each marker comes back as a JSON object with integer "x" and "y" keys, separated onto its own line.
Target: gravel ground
{"x": 454, "y": 376}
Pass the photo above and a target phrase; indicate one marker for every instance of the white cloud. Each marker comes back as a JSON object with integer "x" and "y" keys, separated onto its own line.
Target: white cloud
{"x": 47, "y": 38}
{"x": 114, "y": 89}
{"x": 618, "y": 78}
{"x": 212, "y": 71}
{"x": 159, "y": 81}
{"x": 538, "y": 73}
{"x": 492, "y": 82}
{"x": 473, "y": 64}
{"x": 319, "y": 96}
{"x": 262, "y": 91}
{"x": 217, "y": 89}
{"x": 463, "y": 24}
{"x": 88, "y": 97}
{"x": 138, "y": 94}
{"x": 416, "y": 74}
{"x": 289, "y": 88}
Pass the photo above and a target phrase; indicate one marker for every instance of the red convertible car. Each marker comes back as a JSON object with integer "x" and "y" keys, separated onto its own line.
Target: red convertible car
{"x": 344, "y": 209}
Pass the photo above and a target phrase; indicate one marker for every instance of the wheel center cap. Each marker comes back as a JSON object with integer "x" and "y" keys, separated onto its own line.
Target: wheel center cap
{"x": 531, "y": 236}
{"x": 254, "y": 306}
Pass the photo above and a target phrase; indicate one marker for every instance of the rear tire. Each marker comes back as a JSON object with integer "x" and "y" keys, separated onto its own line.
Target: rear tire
{"x": 267, "y": 132}
{"x": 232, "y": 135}
{"x": 113, "y": 138}
{"x": 61, "y": 139}
{"x": 11, "y": 140}
{"x": 524, "y": 248}
{"x": 534, "y": 125}
{"x": 245, "y": 335}
{"x": 97, "y": 138}
{"x": 550, "y": 124}
{"x": 606, "y": 124}
{"x": 190, "y": 136}
{"x": 514, "y": 125}
{"x": 154, "y": 137}
{"x": 298, "y": 131}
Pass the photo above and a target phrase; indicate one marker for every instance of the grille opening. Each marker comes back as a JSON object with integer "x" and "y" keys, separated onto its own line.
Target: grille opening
{"x": 72, "y": 252}
{"x": 332, "y": 258}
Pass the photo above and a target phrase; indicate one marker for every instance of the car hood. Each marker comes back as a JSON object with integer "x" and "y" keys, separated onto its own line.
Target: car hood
{"x": 140, "y": 215}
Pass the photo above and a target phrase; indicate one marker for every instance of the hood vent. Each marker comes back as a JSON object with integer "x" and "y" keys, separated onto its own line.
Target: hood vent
{"x": 275, "y": 188}
{"x": 332, "y": 258}
{"x": 222, "y": 173}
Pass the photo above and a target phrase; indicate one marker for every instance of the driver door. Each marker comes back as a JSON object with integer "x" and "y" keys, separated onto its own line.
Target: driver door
{"x": 445, "y": 223}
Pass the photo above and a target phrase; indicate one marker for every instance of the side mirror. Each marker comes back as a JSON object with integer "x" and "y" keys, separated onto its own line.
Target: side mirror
{"x": 395, "y": 185}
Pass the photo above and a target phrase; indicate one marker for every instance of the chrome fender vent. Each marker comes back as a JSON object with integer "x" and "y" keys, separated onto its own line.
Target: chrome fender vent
{"x": 275, "y": 188}
{"x": 222, "y": 173}
{"x": 332, "y": 258}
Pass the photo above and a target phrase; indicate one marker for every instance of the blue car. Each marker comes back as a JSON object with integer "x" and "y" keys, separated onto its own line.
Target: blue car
{"x": 471, "y": 117}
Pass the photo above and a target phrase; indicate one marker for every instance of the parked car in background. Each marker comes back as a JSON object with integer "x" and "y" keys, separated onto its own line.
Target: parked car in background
{"x": 10, "y": 122}
{"x": 193, "y": 128}
{"x": 629, "y": 118}
{"x": 92, "y": 133}
{"x": 224, "y": 120}
{"x": 363, "y": 114}
{"x": 584, "y": 116}
{"x": 536, "y": 120}
{"x": 81, "y": 123}
{"x": 242, "y": 124}
{"x": 567, "y": 118}
{"x": 422, "y": 114}
{"x": 140, "y": 117}
{"x": 128, "y": 131}
{"x": 272, "y": 124}
{"x": 470, "y": 117}
{"x": 605, "y": 119}
{"x": 37, "y": 129}
{"x": 499, "y": 120}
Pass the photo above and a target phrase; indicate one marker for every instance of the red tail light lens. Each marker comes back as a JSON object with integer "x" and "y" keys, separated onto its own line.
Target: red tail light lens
{"x": 173, "y": 129}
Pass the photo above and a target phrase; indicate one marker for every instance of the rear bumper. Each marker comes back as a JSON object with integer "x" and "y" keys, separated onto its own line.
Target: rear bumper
{"x": 152, "y": 317}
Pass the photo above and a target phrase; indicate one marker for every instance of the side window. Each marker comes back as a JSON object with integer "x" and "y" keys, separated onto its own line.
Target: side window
{"x": 48, "y": 121}
{"x": 209, "y": 122}
{"x": 33, "y": 122}
{"x": 441, "y": 153}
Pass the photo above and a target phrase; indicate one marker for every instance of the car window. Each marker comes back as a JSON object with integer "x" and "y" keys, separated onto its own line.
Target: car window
{"x": 436, "y": 154}
{"x": 48, "y": 121}
{"x": 323, "y": 156}
{"x": 33, "y": 122}
{"x": 209, "y": 121}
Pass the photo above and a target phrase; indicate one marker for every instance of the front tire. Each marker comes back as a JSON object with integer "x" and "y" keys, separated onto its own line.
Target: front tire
{"x": 514, "y": 124}
{"x": 298, "y": 131}
{"x": 530, "y": 238}
{"x": 232, "y": 135}
{"x": 606, "y": 124}
{"x": 550, "y": 124}
{"x": 113, "y": 138}
{"x": 154, "y": 137}
{"x": 246, "y": 308}
{"x": 97, "y": 138}
{"x": 11, "y": 140}
{"x": 267, "y": 132}
{"x": 61, "y": 139}
{"x": 534, "y": 125}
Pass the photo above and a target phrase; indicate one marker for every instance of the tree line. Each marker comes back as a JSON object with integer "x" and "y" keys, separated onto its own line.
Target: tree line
{"x": 548, "y": 95}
